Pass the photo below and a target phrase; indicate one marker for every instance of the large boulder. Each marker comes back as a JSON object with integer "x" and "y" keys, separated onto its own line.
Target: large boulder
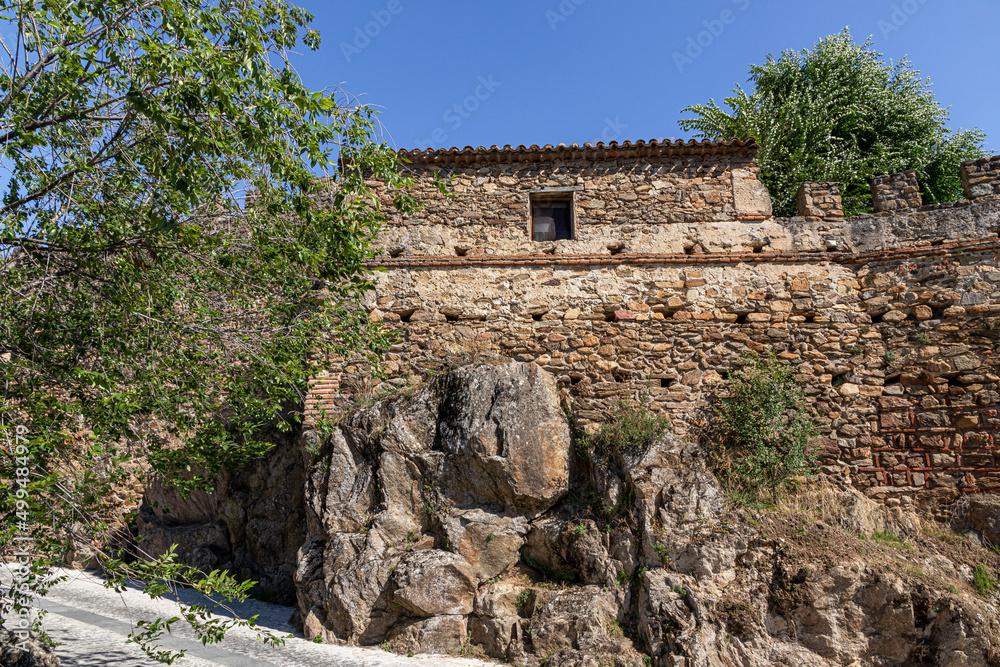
{"x": 416, "y": 500}
{"x": 491, "y": 543}
{"x": 500, "y": 624}
{"x": 580, "y": 624}
{"x": 345, "y": 580}
{"x": 579, "y": 550}
{"x": 978, "y": 516}
{"x": 437, "y": 634}
{"x": 673, "y": 497}
{"x": 435, "y": 583}
{"x": 499, "y": 439}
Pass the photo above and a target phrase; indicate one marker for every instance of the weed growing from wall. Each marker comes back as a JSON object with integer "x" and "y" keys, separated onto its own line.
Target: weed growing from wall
{"x": 631, "y": 427}
{"x": 763, "y": 430}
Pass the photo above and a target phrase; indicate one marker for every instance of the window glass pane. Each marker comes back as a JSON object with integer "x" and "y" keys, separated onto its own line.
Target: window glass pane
{"x": 551, "y": 220}
{"x": 561, "y": 214}
{"x": 543, "y": 228}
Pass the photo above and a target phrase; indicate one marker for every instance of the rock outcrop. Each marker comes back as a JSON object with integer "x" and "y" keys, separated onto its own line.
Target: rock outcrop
{"x": 457, "y": 519}
{"x": 416, "y": 501}
{"x": 438, "y": 524}
{"x": 253, "y": 525}
{"x": 719, "y": 587}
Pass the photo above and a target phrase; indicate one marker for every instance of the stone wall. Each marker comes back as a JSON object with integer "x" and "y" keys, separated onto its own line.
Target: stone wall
{"x": 873, "y": 337}
{"x": 888, "y": 317}
{"x": 670, "y": 203}
{"x": 930, "y": 225}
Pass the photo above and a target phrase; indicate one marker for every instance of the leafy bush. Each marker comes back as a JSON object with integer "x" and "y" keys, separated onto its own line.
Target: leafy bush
{"x": 632, "y": 427}
{"x": 838, "y": 112}
{"x": 764, "y": 429}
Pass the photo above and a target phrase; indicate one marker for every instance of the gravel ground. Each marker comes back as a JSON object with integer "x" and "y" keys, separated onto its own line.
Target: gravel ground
{"x": 91, "y": 623}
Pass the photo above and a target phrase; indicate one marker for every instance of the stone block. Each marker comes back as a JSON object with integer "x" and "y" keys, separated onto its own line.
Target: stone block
{"x": 970, "y": 460}
{"x": 848, "y": 390}
{"x": 943, "y": 460}
{"x": 750, "y": 197}
{"x": 974, "y": 440}
{"x": 966, "y": 421}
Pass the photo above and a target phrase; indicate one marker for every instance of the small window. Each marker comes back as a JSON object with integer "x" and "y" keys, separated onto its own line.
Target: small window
{"x": 551, "y": 217}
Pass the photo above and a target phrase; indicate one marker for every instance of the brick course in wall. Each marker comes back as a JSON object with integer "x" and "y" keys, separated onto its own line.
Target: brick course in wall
{"x": 324, "y": 394}
{"x": 950, "y": 447}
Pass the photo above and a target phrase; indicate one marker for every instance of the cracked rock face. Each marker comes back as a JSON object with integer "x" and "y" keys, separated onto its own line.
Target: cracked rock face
{"x": 720, "y": 590}
{"x": 253, "y": 525}
{"x": 433, "y": 518}
{"x": 417, "y": 500}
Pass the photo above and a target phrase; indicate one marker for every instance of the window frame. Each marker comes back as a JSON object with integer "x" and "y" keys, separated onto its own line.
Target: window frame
{"x": 567, "y": 195}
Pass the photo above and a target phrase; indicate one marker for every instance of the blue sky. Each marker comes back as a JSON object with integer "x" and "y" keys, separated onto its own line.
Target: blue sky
{"x": 484, "y": 72}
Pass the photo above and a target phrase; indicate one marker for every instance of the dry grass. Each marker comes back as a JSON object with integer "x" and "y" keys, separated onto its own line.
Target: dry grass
{"x": 822, "y": 501}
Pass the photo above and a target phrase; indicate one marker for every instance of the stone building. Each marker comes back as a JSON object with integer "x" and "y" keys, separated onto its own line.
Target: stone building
{"x": 644, "y": 197}
{"x": 646, "y": 269}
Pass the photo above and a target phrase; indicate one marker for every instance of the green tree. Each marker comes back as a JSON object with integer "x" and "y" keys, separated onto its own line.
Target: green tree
{"x": 150, "y": 323}
{"x": 766, "y": 429}
{"x": 839, "y": 113}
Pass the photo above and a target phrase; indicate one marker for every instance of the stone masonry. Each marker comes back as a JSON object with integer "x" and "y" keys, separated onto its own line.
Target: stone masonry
{"x": 676, "y": 267}
{"x": 818, "y": 201}
{"x": 981, "y": 178}
{"x": 896, "y": 191}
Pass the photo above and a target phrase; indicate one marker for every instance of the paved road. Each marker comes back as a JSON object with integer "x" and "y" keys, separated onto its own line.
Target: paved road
{"x": 92, "y": 623}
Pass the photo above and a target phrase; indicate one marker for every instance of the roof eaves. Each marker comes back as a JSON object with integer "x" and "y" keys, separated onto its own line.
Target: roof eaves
{"x": 587, "y": 151}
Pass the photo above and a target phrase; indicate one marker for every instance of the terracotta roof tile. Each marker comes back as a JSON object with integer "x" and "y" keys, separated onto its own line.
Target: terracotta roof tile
{"x": 587, "y": 151}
